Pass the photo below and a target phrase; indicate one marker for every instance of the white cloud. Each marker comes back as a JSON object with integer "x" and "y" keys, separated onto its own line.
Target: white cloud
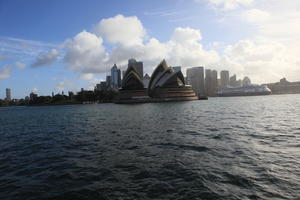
{"x": 253, "y": 57}
{"x": 228, "y": 4}
{"x": 256, "y": 15}
{"x": 45, "y": 59}
{"x": 87, "y": 76}
{"x": 85, "y": 53}
{"x": 273, "y": 45}
{"x": 183, "y": 48}
{"x": 92, "y": 82}
{"x": 61, "y": 86}
{"x": 5, "y": 72}
{"x": 186, "y": 35}
{"x": 34, "y": 90}
{"x": 262, "y": 60}
{"x": 121, "y": 30}
{"x": 23, "y": 49}
{"x": 20, "y": 65}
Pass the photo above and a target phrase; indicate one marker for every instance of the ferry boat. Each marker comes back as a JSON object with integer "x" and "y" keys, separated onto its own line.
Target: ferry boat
{"x": 250, "y": 90}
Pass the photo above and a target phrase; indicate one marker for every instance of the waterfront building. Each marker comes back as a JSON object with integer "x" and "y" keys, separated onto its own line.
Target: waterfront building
{"x": 8, "y": 94}
{"x": 137, "y": 65}
{"x": 167, "y": 85}
{"x": 195, "y": 78}
{"x": 284, "y": 87}
{"x": 224, "y": 78}
{"x": 164, "y": 85}
{"x": 246, "y": 81}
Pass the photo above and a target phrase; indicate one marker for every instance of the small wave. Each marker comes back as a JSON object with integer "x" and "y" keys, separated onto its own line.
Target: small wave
{"x": 183, "y": 147}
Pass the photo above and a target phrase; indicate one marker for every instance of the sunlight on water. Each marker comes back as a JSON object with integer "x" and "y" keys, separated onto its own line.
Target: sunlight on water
{"x": 234, "y": 148}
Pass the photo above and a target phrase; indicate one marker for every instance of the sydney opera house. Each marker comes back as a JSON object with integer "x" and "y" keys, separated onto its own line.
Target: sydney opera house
{"x": 164, "y": 85}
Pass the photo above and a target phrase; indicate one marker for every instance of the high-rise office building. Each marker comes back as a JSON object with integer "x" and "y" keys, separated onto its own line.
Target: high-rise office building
{"x": 214, "y": 82}
{"x": 224, "y": 78}
{"x": 115, "y": 77}
{"x": 137, "y": 65}
{"x": 232, "y": 81}
{"x": 123, "y": 74}
{"x": 119, "y": 78}
{"x": 8, "y": 94}
{"x": 108, "y": 83}
{"x": 195, "y": 78}
{"x": 211, "y": 82}
{"x": 208, "y": 82}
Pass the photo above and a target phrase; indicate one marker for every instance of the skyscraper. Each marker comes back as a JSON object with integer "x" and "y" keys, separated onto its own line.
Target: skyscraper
{"x": 119, "y": 78}
{"x": 211, "y": 82}
{"x": 208, "y": 82}
{"x": 214, "y": 82}
{"x": 224, "y": 78}
{"x": 8, "y": 94}
{"x": 108, "y": 83}
{"x": 232, "y": 81}
{"x": 115, "y": 77}
{"x": 195, "y": 78}
{"x": 137, "y": 65}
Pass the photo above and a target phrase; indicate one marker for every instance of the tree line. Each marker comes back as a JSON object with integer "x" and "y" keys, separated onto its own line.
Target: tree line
{"x": 60, "y": 99}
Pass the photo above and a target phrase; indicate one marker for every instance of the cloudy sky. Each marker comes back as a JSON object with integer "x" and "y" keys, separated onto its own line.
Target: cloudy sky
{"x": 60, "y": 45}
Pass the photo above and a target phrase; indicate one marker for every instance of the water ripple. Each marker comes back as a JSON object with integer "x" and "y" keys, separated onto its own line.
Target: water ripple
{"x": 216, "y": 149}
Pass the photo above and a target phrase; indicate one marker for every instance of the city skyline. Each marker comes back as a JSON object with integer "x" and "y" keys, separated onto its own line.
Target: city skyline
{"x": 75, "y": 50}
{"x": 204, "y": 82}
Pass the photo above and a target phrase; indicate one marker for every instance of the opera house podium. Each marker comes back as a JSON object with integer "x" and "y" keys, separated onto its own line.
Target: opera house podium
{"x": 164, "y": 85}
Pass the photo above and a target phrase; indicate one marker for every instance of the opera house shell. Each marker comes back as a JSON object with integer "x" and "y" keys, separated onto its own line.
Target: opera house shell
{"x": 164, "y": 85}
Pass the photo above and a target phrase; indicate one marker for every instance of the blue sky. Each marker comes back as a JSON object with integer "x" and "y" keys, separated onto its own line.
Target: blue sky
{"x": 56, "y": 45}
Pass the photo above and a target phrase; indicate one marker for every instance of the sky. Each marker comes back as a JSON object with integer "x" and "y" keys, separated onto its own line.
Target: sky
{"x": 65, "y": 45}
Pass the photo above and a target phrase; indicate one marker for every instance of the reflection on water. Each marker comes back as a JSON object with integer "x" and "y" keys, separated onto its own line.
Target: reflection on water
{"x": 223, "y": 148}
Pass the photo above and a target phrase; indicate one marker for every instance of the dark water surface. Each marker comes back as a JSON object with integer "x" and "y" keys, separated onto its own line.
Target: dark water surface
{"x": 223, "y": 148}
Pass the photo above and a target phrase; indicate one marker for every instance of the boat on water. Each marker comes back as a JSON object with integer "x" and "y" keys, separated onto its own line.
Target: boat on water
{"x": 250, "y": 90}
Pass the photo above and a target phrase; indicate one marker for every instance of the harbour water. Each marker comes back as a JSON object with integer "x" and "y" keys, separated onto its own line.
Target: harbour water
{"x": 223, "y": 148}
